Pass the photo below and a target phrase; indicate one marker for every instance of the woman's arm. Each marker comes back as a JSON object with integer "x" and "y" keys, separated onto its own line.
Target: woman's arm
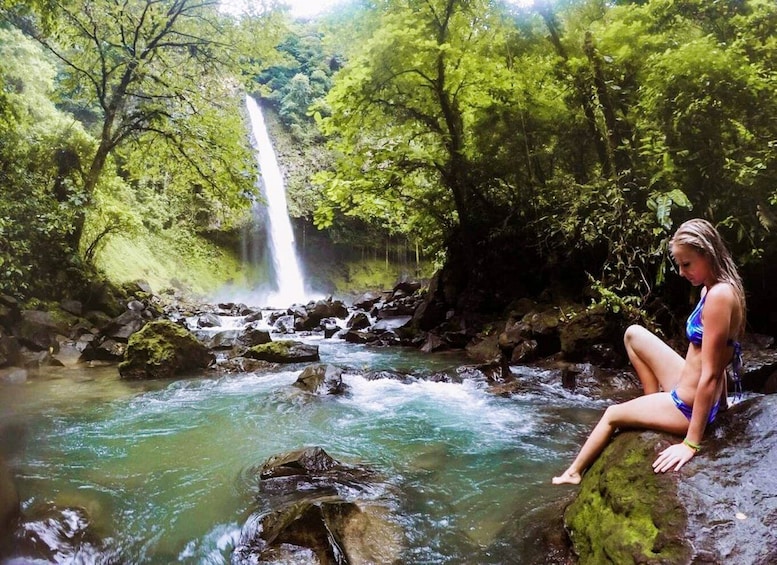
{"x": 715, "y": 354}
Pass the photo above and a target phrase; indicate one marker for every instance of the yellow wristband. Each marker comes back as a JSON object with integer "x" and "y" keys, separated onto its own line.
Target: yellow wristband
{"x": 692, "y": 445}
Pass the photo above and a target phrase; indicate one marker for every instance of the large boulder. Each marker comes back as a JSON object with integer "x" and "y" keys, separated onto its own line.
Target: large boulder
{"x": 284, "y": 351}
{"x": 39, "y": 329}
{"x": 163, "y": 349}
{"x": 313, "y": 509}
{"x": 720, "y": 508}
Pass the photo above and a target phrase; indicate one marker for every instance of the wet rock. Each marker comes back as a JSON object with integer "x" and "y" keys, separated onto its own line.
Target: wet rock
{"x": 315, "y": 508}
{"x": 284, "y": 351}
{"x": 284, "y": 324}
{"x": 583, "y": 330}
{"x": 433, "y": 343}
{"x": 358, "y": 336}
{"x": 359, "y": 321}
{"x": 390, "y": 323}
{"x": 321, "y": 378}
{"x": 208, "y": 321}
{"x": 38, "y": 329}
{"x": 49, "y": 534}
{"x": 163, "y": 349}
{"x": 101, "y": 350}
{"x": 720, "y": 508}
{"x": 9, "y": 349}
{"x": 123, "y": 326}
{"x": 366, "y": 300}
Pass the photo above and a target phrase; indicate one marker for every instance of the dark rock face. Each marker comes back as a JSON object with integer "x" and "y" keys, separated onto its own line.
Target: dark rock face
{"x": 163, "y": 349}
{"x": 720, "y": 508}
{"x": 314, "y": 509}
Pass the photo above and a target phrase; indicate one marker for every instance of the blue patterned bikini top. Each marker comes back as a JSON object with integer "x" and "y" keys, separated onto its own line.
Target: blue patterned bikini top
{"x": 695, "y": 332}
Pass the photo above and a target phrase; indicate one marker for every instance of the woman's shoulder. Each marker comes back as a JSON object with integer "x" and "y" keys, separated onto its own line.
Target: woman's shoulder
{"x": 721, "y": 291}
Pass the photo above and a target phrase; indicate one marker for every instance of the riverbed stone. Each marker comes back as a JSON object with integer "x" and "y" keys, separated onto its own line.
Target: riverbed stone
{"x": 321, "y": 378}
{"x": 284, "y": 351}
{"x": 163, "y": 349}
{"x": 313, "y": 507}
{"x": 720, "y": 508}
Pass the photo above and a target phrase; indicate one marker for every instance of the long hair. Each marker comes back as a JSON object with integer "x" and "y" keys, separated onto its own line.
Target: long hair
{"x": 705, "y": 239}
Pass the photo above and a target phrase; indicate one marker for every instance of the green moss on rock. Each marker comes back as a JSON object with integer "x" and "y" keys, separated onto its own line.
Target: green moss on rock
{"x": 163, "y": 349}
{"x": 284, "y": 351}
{"x": 624, "y": 512}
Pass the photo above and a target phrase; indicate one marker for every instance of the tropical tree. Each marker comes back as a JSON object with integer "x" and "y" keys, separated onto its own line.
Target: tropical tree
{"x": 148, "y": 72}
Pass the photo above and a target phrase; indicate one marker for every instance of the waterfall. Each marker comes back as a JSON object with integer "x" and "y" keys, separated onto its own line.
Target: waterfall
{"x": 288, "y": 282}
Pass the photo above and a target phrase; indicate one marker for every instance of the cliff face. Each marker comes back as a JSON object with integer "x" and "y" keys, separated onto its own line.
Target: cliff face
{"x": 720, "y": 508}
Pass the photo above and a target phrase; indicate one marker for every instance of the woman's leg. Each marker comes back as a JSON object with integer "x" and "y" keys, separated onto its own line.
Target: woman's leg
{"x": 658, "y": 366}
{"x": 653, "y": 411}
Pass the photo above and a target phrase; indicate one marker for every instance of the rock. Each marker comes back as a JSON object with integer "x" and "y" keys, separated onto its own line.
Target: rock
{"x": 51, "y": 534}
{"x": 74, "y": 307}
{"x": 324, "y": 309}
{"x": 390, "y": 324}
{"x": 208, "y": 321}
{"x": 163, "y": 349}
{"x": 9, "y": 502}
{"x": 720, "y": 508}
{"x": 102, "y": 350}
{"x": 38, "y": 329}
{"x": 359, "y": 321}
{"x": 9, "y": 349}
{"x": 366, "y": 300}
{"x": 484, "y": 349}
{"x": 123, "y": 326}
{"x": 314, "y": 509}
{"x": 321, "y": 379}
{"x": 354, "y": 336}
{"x": 284, "y": 351}
{"x": 284, "y": 324}
{"x": 433, "y": 343}
{"x": 585, "y": 329}
{"x": 252, "y": 336}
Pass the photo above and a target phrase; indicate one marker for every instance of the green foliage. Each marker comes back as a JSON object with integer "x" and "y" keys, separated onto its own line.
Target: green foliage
{"x": 40, "y": 174}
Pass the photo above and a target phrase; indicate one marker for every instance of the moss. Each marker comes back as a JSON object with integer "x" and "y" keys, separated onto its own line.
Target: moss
{"x": 624, "y": 512}
{"x": 162, "y": 349}
{"x": 172, "y": 259}
{"x": 278, "y": 348}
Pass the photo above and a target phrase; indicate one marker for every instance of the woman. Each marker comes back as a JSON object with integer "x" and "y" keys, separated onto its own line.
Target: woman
{"x": 681, "y": 396}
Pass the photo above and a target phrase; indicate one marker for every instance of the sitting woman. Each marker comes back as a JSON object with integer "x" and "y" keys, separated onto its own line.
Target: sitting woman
{"x": 681, "y": 395}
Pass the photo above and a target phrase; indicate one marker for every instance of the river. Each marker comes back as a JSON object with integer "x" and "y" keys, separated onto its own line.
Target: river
{"x": 157, "y": 464}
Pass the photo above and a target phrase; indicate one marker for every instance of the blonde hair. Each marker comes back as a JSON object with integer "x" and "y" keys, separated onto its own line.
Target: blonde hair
{"x": 702, "y": 236}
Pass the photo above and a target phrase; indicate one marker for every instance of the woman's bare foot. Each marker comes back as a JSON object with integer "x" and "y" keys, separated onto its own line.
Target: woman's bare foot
{"x": 567, "y": 478}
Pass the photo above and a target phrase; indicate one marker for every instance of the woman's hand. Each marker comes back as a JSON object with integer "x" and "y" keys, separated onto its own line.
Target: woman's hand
{"x": 673, "y": 456}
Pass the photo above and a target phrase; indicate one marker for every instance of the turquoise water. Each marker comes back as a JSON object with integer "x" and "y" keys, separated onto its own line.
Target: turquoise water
{"x": 157, "y": 465}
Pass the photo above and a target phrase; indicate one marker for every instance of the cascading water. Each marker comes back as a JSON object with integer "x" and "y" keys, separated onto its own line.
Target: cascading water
{"x": 288, "y": 284}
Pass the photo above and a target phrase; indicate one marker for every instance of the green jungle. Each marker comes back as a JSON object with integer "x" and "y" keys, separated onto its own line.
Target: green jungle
{"x": 516, "y": 148}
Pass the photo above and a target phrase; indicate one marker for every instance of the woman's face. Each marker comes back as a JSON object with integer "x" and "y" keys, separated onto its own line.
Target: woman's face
{"x": 693, "y": 265}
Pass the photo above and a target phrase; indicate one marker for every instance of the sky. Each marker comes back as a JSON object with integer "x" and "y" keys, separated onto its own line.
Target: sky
{"x": 308, "y": 8}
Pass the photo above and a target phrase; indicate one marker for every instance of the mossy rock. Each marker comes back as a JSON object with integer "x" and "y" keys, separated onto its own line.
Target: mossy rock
{"x": 163, "y": 349}
{"x": 626, "y": 515}
{"x": 284, "y": 351}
